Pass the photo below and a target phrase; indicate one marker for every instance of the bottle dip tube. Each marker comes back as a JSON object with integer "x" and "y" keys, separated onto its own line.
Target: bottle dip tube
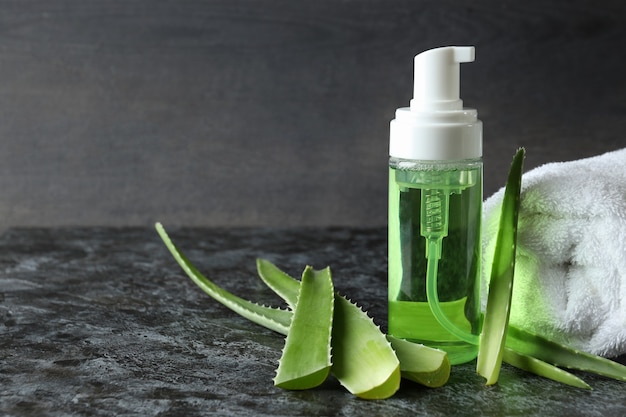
{"x": 435, "y": 208}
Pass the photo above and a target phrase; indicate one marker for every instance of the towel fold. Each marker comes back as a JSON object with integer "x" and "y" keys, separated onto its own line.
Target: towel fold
{"x": 570, "y": 277}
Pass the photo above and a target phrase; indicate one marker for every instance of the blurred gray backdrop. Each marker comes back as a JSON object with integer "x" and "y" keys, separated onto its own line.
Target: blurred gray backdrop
{"x": 276, "y": 112}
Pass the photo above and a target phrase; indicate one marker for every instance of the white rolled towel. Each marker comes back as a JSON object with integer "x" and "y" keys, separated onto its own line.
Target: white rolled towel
{"x": 570, "y": 276}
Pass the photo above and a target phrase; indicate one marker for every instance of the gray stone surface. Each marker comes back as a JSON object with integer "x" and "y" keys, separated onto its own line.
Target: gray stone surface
{"x": 101, "y": 321}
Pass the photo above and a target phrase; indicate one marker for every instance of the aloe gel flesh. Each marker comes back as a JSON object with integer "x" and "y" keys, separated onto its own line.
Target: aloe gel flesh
{"x": 410, "y": 316}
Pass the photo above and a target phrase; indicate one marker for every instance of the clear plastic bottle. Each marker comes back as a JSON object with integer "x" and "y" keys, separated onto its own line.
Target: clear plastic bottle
{"x": 435, "y": 204}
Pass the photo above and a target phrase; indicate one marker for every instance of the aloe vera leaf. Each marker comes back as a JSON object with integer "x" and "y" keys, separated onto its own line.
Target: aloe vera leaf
{"x": 363, "y": 360}
{"x": 418, "y": 363}
{"x": 306, "y": 361}
{"x": 422, "y": 364}
{"x": 541, "y": 368}
{"x": 498, "y": 308}
{"x": 558, "y": 354}
{"x": 280, "y": 282}
{"x": 269, "y": 317}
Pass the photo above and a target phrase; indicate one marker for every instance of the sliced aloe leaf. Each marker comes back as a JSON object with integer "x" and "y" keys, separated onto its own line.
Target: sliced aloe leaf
{"x": 558, "y": 354}
{"x": 541, "y": 368}
{"x": 497, "y": 310}
{"x": 305, "y": 362}
{"x": 422, "y": 364}
{"x": 363, "y": 360}
{"x": 418, "y": 363}
{"x": 272, "y": 318}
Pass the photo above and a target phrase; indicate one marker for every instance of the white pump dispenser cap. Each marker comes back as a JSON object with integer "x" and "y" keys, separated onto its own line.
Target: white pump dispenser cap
{"x": 436, "y": 126}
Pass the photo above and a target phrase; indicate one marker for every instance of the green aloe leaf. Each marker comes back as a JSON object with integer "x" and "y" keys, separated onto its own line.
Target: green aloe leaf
{"x": 422, "y": 364}
{"x": 280, "y": 282}
{"x": 541, "y": 368}
{"x": 530, "y": 344}
{"x": 306, "y": 358}
{"x": 496, "y": 319}
{"x": 272, "y": 318}
{"x": 363, "y": 360}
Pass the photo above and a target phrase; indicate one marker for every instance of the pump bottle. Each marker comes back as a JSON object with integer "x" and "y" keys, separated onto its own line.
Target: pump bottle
{"x": 435, "y": 204}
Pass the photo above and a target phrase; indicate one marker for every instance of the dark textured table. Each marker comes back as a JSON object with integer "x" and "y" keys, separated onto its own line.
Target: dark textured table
{"x": 101, "y": 321}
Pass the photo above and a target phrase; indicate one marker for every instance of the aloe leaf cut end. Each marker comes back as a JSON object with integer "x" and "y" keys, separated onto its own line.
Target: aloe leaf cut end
{"x": 306, "y": 358}
{"x": 363, "y": 360}
{"x": 493, "y": 336}
{"x": 422, "y": 364}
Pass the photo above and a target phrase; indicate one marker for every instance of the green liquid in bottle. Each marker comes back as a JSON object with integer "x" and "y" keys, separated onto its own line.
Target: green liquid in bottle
{"x": 458, "y": 281}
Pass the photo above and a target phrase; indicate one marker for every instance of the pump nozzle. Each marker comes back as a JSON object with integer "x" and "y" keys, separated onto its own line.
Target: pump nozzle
{"x": 436, "y": 83}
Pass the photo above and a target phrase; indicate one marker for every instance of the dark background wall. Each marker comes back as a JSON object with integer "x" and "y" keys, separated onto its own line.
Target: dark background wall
{"x": 276, "y": 112}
